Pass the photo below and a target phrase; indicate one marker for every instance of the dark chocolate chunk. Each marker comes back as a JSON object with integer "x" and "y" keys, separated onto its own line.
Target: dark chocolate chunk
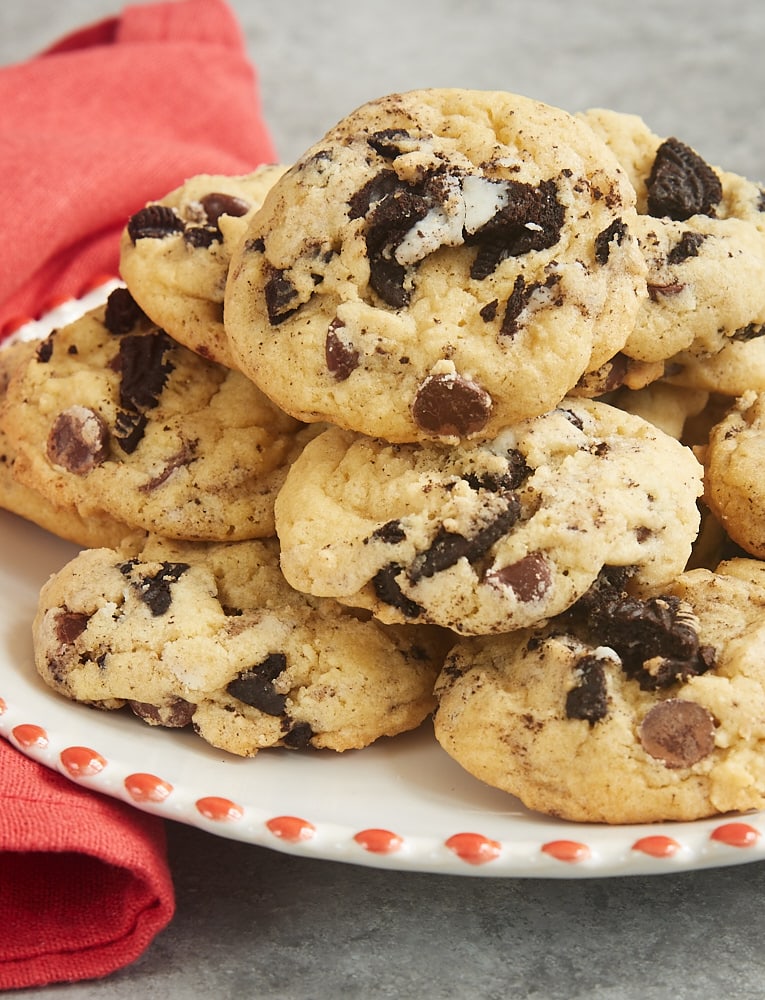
{"x": 589, "y": 699}
{"x": 143, "y": 369}
{"x": 531, "y": 220}
{"x": 616, "y": 231}
{"x": 216, "y": 204}
{"x": 122, "y": 312}
{"x": 529, "y": 578}
{"x": 69, "y": 625}
{"x": 687, "y": 246}
{"x": 681, "y": 184}
{"x": 341, "y": 357}
{"x": 677, "y": 732}
{"x": 450, "y": 405}
{"x": 279, "y": 292}
{"x": 155, "y": 591}
{"x": 154, "y": 222}
{"x": 255, "y": 686}
{"x": 388, "y": 590}
{"x": 175, "y": 714}
{"x": 78, "y": 440}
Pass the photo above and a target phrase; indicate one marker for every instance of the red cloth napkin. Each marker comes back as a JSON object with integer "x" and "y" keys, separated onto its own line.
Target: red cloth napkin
{"x": 110, "y": 117}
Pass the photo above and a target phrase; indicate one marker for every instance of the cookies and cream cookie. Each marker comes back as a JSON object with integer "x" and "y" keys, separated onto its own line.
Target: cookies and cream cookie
{"x": 209, "y": 635}
{"x": 440, "y": 264}
{"x": 493, "y": 535}
{"x": 111, "y": 415}
{"x": 175, "y": 253}
{"x": 630, "y": 711}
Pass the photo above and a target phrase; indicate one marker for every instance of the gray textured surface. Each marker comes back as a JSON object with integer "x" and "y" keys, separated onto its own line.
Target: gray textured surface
{"x": 253, "y": 923}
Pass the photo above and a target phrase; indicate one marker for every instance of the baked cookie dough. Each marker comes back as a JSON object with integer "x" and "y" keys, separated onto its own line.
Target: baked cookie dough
{"x": 734, "y": 461}
{"x": 631, "y": 711}
{"x": 113, "y": 416}
{"x": 702, "y": 232}
{"x": 175, "y": 254}
{"x": 440, "y": 264}
{"x": 209, "y": 635}
{"x": 493, "y": 535}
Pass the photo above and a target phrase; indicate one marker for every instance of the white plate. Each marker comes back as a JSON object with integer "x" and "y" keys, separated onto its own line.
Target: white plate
{"x": 400, "y": 804}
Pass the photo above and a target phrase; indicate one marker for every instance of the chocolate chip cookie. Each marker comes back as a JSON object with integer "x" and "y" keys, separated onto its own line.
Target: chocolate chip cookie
{"x": 112, "y": 416}
{"x": 625, "y": 710}
{"x": 175, "y": 254}
{"x": 440, "y": 264}
{"x": 493, "y": 535}
{"x": 209, "y": 635}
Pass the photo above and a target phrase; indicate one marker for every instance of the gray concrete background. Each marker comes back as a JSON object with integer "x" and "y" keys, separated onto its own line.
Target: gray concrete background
{"x": 254, "y": 923}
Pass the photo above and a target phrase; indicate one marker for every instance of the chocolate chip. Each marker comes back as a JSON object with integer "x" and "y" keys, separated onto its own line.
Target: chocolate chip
{"x": 679, "y": 733}
{"x": 531, "y": 220}
{"x": 255, "y": 686}
{"x": 589, "y": 699}
{"x": 70, "y": 625}
{"x": 655, "y": 292}
{"x": 155, "y": 591}
{"x": 279, "y": 292}
{"x": 448, "y": 547}
{"x": 616, "y": 231}
{"x": 216, "y": 204}
{"x": 154, "y": 222}
{"x": 143, "y": 370}
{"x": 681, "y": 184}
{"x": 687, "y": 246}
{"x": 529, "y": 578}
{"x": 450, "y": 405}
{"x": 174, "y": 714}
{"x": 78, "y": 440}
{"x": 341, "y": 357}
{"x": 388, "y": 590}
{"x": 122, "y": 312}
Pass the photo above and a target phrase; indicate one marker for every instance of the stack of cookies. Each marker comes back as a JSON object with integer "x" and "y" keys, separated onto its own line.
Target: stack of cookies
{"x": 456, "y": 417}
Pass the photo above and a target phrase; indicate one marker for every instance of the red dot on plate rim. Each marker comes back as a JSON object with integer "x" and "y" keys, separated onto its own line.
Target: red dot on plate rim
{"x": 217, "y": 808}
{"x": 474, "y": 848}
{"x": 378, "y": 841}
{"x": 143, "y": 787}
{"x": 28, "y": 735}
{"x": 657, "y": 846}
{"x": 82, "y": 762}
{"x": 291, "y": 828}
{"x": 736, "y": 834}
{"x": 571, "y": 851}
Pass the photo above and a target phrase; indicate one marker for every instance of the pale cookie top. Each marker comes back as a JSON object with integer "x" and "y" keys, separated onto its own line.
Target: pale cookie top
{"x": 440, "y": 264}
{"x": 632, "y": 711}
{"x": 702, "y": 232}
{"x": 175, "y": 254}
{"x": 209, "y": 635}
{"x": 112, "y": 415}
{"x": 489, "y": 536}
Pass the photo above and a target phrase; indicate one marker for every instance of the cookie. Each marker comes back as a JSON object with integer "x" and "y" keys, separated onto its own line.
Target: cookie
{"x": 28, "y": 503}
{"x": 441, "y": 264}
{"x": 702, "y": 232}
{"x": 733, "y": 463}
{"x": 113, "y": 416}
{"x": 488, "y": 536}
{"x": 209, "y": 635}
{"x": 630, "y": 711}
{"x": 175, "y": 254}
{"x": 668, "y": 407}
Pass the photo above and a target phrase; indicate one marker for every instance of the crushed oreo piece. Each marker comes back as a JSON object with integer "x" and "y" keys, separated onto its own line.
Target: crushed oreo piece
{"x": 681, "y": 184}
{"x": 392, "y": 533}
{"x": 154, "y": 222}
{"x": 677, "y": 732}
{"x": 144, "y": 370}
{"x": 122, "y": 312}
{"x": 387, "y": 142}
{"x": 451, "y": 405}
{"x": 341, "y": 357}
{"x": 155, "y": 591}
{"x": 298, "y": 736}
{"x": 388, "y": 590}
{"x": 519, "y": 299}
{"x": 279, "y": 292}
{"x": 202, "y": 237}
{"x": 687, "y": 246}
{"x": 255, "y": 686}
{"x": 78, "y": 440}
{"x": 616, "y": 231}
{"x": 589, "y": 699}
